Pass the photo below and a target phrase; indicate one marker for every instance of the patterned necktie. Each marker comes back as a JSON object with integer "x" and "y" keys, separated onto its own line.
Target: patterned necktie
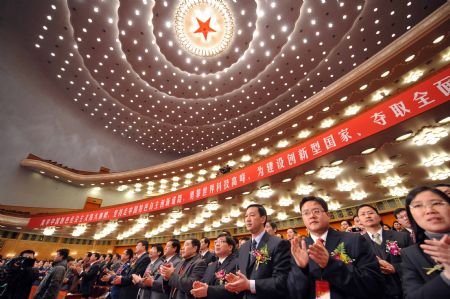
{"x": 413, "y": 236}
{"x": 253, "y": 247}
{"x": 377, "y": 238}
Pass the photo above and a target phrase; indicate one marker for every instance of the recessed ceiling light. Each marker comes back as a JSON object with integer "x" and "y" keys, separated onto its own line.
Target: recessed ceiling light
{"x": 368, "y": 151}
{"x": 337, "y": 162}
{"x": 444, "y": 120}
{"x": 310, "y": 172}
{"x": 439, "y": 39}
{"x": 404, "y": 136}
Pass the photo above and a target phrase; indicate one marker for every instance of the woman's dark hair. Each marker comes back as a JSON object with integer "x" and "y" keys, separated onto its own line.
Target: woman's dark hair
{"x": 418, "y": 231}
{"x": 348, "y": 222}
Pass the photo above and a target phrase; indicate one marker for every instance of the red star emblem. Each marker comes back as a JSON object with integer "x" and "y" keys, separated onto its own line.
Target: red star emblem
{"x": 204, "y": 28}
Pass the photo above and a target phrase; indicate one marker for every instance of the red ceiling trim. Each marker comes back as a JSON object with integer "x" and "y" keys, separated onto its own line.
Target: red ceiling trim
{"x": 422, "y": 97}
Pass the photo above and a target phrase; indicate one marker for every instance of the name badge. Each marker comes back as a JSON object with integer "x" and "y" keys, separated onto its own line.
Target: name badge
{"x": 322, "y": 289}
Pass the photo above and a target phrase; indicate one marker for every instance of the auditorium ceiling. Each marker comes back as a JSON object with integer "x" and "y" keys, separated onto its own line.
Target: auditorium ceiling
{"x": 192, "y": 77}
{"x": 185, "y": 76}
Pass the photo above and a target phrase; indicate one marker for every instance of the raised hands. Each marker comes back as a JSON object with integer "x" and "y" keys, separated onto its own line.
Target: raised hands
{"x": 386, "y": 268}
{"x": 237, "y": 282}
{"x": 199, "y": 289}
{"x": 439, "y": 250}
{"x": 299, "y": 252}
{"x": 318, "y": 253}
{"x": 166, "y": 270}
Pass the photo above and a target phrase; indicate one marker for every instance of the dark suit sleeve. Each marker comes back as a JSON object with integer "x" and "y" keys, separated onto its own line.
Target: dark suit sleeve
{"x": 184, "y": 283}
{"x": 91, "y": 274}
{"x": 139, "y": 270}
{"x": 219, "y": 291}
{"x": 415, "y": 288}
{"x": 362, "y": 278}
{"x": 276, "y": 285}
{"x": 404, "y": 241}
{"x": 298, "y": 281}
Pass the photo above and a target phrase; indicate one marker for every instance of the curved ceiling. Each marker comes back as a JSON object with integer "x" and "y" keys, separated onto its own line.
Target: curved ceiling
{"x": 123, "y": 63}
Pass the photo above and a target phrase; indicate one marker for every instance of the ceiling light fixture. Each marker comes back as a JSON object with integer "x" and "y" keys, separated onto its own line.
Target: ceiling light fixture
{"x": 329, "y": 173}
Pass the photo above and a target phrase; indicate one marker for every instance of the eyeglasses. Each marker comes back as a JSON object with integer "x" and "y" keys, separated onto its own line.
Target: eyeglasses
{"x": 314, "y": 212}
{"x": 435, "y": 204}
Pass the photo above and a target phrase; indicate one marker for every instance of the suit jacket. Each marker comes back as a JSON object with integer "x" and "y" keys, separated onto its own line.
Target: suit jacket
{"x": 89, "y": 278}
{"x": 216, "y": 290}
{"x": 417, "y": 284}
{"x": 127, "y": 288}
{"x": 209, "y": 257}
{"x": 158, "y": 291}
{"x": 410, "y": 234}
{"x": 152, "y": 269}
{"x": 391, "y": 281}
{"x": 359, "y": 279}
{"x": 180, "y": 283}
{"x": 270, "y": 278}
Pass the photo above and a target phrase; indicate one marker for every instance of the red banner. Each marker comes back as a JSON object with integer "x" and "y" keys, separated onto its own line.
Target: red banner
{"x": 422, "y": 97}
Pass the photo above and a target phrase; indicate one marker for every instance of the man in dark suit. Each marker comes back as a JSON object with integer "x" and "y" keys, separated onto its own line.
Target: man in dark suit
{"x": 178, "y": 280}
{"x": 156, "y": 260}
{"x": 125, "y": 280}
{"x": 213, "y": 282}
{"x": 125, "y": 259}
{"x": 402, "y": 217}
{"x": 265, "y": 277}
{"x": 207, "y": 256}
{"x": 89, "y": 275}
{"x": 386, "y": 245}
{"x": 156, "y": 283}
{"x": 339, "y": 264}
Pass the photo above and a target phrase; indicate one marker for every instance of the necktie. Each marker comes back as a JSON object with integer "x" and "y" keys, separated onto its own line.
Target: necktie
{"x": 321, "y": 241}
{"x": 253, "y": 247}
{"x": 377, "y": 238}
{"x": 413, "y": 237}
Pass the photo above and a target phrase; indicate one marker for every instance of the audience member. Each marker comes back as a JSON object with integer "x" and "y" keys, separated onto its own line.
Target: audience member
{"x": 346, "y": 226}
{"x": 125, "y": 279}
{"x": 172, "y": 256}
{"x": 426, "y": 265}
{"x": 88, "y": 275}
{"x": 213, "y": 283}
{"x": 263, "y": 262}
{"x": 271, "y": 228}
{"x": 291, "y": 233}
{"x": 156, "y": 260}
{"x": 330, "y": 263}
{"x": 178, "y": 280}
{"x": 206, "y": 255}
{"x": 387, "y": 246}
{"x": 51, "y": 284}
{"x": 19, "y": 276}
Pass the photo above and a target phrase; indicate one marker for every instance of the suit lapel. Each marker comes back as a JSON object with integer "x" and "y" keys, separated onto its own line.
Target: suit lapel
{"x": 333, "y": 240}
{"x": 387, "y": 235}
{"x": 188, "y": 265}
{"x": 313, "y": 266}
{"x": 244, "y": 256}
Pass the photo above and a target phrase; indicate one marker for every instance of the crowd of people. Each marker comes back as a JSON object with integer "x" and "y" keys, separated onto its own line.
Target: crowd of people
{"x": 364, "y": 260}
